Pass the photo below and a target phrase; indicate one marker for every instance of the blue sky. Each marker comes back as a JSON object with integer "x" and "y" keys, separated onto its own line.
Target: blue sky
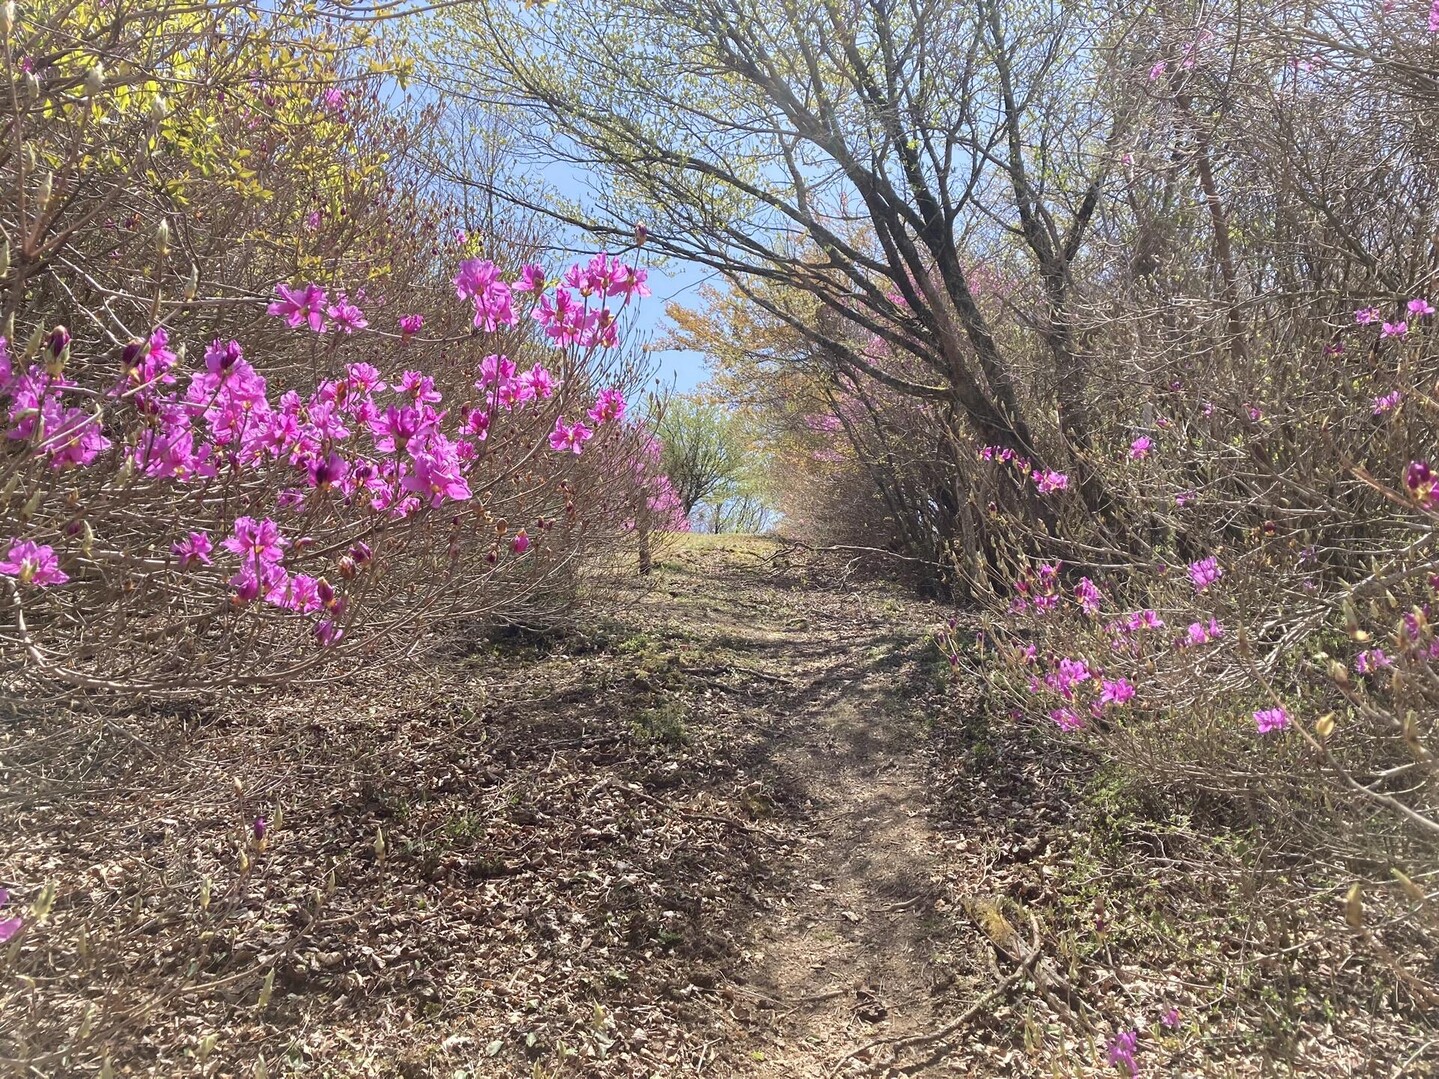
{"x": 679, "y": 283}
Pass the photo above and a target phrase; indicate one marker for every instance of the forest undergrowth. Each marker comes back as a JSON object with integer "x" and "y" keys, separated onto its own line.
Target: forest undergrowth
{"x": 746, "y": 829}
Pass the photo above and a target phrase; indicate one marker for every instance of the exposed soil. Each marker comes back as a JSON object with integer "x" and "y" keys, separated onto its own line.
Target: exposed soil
{"x": 750, "y": 828}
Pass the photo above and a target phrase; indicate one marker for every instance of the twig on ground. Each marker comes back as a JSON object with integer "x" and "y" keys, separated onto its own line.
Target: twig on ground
{"x": 899, "y": 1044}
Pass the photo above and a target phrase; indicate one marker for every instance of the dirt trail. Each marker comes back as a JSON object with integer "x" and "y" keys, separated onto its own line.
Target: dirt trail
{"x": 854, "y": 942}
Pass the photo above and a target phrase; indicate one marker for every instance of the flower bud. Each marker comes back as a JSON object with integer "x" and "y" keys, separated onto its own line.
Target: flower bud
{"x": 193, "y": 285}
{"x": 58, "y": 342}
{"x": 95, "y": 79}
{"x": 32, "y": 86}
{"x": 44, "y": 903}
{"x": 642, "y": 233}
{"x": 43, "y": 193}
{"x": 159, "y": 108}
{"x": 130, "y": 357}
{"x": 162, "y": 238}
{"x": 1339, "y": 673}
{"x": 7, "y": 18}
{"x": 27, "y": 511}
{"x": 4, "y": 258}
{"x": 347, "y": 568}
{"x": 1412, "y": 890}
{"x": 361, "y": 552}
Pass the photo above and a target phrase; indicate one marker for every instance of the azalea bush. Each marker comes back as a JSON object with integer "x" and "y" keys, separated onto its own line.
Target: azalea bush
{"x": 1245, "y": 634}
{"x": 267, "y": 410}
{"x": 1197, "y": 521}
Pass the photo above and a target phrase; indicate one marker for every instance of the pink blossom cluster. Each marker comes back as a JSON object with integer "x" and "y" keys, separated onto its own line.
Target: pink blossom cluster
{"x": 1417, "y": 308}
{"x": 32, "y": 564}
{"x": 1271, "y": 719}
{"x": 66, "y": 436}
{"x": 8, "y": 926}
{"x": 310, "y": 306}
{"x": 1372, "y": 661}
{"x": 1205, "y": 572}
{"x": 1073, "y": 681}
{"x": 1387, "y": 402}
{"x": 1088, "y": 596}
{"x": 822, "y": 423}
{"x": 1201, "y": 633}
{"x": 1421, "y": 482}
{"x": 1039, "y": 590}
{"x": 662, "y": 501}
{"x": 576, "y": 314}
{"x": 1046, "y": 481}
{"x": 378, "y": 445}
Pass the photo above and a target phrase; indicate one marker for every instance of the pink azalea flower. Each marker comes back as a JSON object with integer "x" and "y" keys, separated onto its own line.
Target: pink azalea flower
{"x": 364, "y": 378}
{"x": 538, "y": 381}
{"x": 1422, "y": 482}
{"x": 1371, "y": 661}
{"x": 608, "y": 406}
{"x": 569, "y": 437}
{"x": 1366, "y": 316}
{"x": 1140, "y": 447}
{"x": 1199, "y": 633}
{"x": 437, "y": 473}
{"x": 1121, "y": 1053}
{"x": 8, "y": 926}
{"x": 477, "y": 424}
{"x": 1046, "y": 482}
{"x": 258, "y": 541}
{"x": 1434, "y": 17}
{"x": 196, "y": 547}
{"x": 1394, "y": 329}
{"x": 33, "y": 563}
{"x": 1184, "y": 498}
{"x": 629, "y": 281}
{"x": 479, "y": 280}
{"x": 1088, "y": 596}
{"x": 346, "y": 315}
{"x": 1271, "y": 719}
{"x": 419, "y": 388}
{"x": 1067, "y": 719}
{"x": 1419, "y": 307}
{"x": 1204, "y": 573}
{"x": 411, "y": 324}
{"x": 495, "y": 370}
{"x": 1170, "y": 1019}
{"x": 1118, "y": 691}
{"x": 531, "y": 279}
{"x": 521, "y": 543}
{"x": 299, "y": 306}
{"x": 1157, "y": 71}
{"x": 303, "y": 596}
{"x": 1387, "y": 403}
